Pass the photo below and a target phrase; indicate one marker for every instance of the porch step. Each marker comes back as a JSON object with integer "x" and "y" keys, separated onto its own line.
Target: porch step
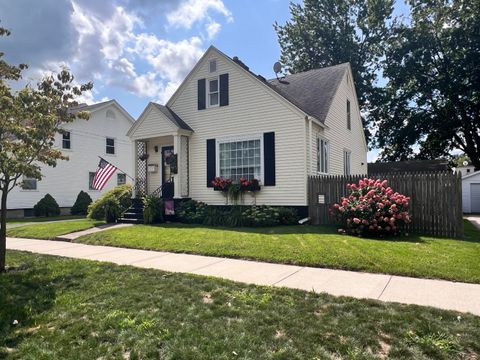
{"x": 130, "y": 221}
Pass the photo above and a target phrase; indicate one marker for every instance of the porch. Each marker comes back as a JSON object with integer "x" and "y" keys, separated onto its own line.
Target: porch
{"x": 161, "y": 166}
{"x": 161, "y": 153}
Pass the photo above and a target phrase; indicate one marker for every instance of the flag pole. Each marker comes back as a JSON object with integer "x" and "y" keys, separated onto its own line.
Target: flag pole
{"x": 118, "y": 168}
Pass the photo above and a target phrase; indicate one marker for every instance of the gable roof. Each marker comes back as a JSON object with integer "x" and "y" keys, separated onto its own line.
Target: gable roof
{"x": 313, "y": 90}
{"x": 174, "y": 118}
{"x": 408, "y": 166}
{"x": 101, "y": 105}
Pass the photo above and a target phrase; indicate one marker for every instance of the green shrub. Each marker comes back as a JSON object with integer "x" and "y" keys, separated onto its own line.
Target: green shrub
{"x": 261, "y": 216}
{"x": 81, "y": 204}
{"x": 47, "y": 206}
{"x": 152, "y": 210}
{"x": 191, "y": 211}
{"x": 287, "y": 215}
{"x": 122, "y": 193}
{"x": 112, "y": 209}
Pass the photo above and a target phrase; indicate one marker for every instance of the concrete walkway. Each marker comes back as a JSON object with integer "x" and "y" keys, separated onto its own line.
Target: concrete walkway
{"x": 438, "y": 293}
{"x": 474, "y": 219}
{"x": 77, "y": 234}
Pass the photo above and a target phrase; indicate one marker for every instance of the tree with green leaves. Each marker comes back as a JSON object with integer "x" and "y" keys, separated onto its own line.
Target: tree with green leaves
{"x": 329, "y": 32}
{"x": 29, "y": 120}
{"x": 432, "y": 97}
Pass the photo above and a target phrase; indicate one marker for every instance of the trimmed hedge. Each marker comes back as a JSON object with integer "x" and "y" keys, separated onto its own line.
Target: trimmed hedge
{"x": 81, "y": 204}
{"x": 47, "y": 206}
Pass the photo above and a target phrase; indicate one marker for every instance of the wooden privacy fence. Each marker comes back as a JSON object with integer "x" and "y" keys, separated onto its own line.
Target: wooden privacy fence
{"x": 435, "y": 204}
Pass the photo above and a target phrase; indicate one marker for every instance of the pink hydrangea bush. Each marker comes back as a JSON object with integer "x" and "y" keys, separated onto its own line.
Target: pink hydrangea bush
{"x": 372, "y": 208}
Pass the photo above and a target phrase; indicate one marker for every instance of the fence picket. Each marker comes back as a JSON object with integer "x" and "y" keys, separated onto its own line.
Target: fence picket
{"x": 435, "y": 206}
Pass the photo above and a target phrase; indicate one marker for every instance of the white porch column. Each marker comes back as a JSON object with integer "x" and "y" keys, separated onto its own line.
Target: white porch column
{"x": 135, "y": 166}
{"x": 177, "y": 178}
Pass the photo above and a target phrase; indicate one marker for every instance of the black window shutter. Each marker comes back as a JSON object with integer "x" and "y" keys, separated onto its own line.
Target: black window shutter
{"x": 202, "y": 96}
{"x": 211, "y": 161}
{"x": 269, "y": 159}
{"x": 224, "y": 90}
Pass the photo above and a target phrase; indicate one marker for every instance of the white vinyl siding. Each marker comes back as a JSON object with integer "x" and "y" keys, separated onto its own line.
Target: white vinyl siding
{"x": 253, "y": 109}
{"x": 339, "y": 136}
{"x": 69, "y": 177}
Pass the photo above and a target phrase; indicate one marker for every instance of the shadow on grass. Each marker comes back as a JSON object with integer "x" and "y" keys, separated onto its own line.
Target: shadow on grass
{"x": 27, "y": 290}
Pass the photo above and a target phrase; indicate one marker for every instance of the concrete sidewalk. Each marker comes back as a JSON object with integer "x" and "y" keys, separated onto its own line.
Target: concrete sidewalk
{"x": 437, "y": 293}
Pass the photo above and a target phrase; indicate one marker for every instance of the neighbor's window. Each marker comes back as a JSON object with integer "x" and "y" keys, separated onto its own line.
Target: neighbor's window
{"x": 29, "y": 184}
{"x": 91, "y": 176}
{"x": 240, "y": 159}
{"x": 322, "y": 155}
{"x": 66, "y": 140}
{"x": 347, "y": 159}
{"x": 349, "y": 116}
{"x": 121, "y": 179}
{"x": 110, "y": 146}
{"x": 213, "y": 66}
{"x": 213, "y": 94}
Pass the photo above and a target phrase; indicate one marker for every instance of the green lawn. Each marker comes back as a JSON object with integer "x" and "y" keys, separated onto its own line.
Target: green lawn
{"x": 75, "y": 309}
{"x": 42, "y": 219}
{"x": 53, "y": 229}
{"x": 418, "y": 256}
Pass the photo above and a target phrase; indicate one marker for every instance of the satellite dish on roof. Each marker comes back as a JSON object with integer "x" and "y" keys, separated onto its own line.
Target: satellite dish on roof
{"x": 277, "y": 67}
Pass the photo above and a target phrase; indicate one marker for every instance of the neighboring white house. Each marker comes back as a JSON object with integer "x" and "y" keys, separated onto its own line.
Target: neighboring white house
{"x": 471, "y": 193}
{"x": 466, "y": 169}
{"x": 104, "y": 134}
{"x": 226, "y": 121}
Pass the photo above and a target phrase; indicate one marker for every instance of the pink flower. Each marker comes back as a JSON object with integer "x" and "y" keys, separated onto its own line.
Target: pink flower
{"x": 356, "y": 220}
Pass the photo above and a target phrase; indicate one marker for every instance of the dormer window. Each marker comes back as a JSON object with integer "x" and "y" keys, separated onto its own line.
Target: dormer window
{"x": 213, "y": 93}
{"x": 213, "y": 66}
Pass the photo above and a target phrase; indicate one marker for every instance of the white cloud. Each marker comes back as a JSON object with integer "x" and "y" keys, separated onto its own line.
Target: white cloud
{"x": 191, "y": 11}
{"x": 212, "y": 29}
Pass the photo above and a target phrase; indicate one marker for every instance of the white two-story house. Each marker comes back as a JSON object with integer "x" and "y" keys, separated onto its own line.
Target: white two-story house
{"x": 226, "y": 121}
{"x": 103, "y": 135}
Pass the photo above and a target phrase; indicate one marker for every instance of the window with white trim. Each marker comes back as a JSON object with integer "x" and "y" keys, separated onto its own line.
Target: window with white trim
{"x": 91, "y": 177}
{"x": 29, "y": 183}
{"x": 347, "y": 162}
{"x": 121, "y": 179}
{"x": 66, "y": 140}
{"x": 110, "y": 146}
{"x": 240, "y": 158}
{"x": 323, "y": 150}
{"x": 213, "y": 66}
{"x": 213, "y": 87}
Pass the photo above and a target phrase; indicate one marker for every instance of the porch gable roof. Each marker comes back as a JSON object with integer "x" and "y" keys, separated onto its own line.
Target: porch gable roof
{"x": 164, "y": 120}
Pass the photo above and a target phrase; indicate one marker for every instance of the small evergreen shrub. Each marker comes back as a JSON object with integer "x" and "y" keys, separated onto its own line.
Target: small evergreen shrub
{"x": 287, "y": 216}
{"x": 47, "y": 206}
{"x": 372, "y": 208}
{"x": 122, "y": 193}
{"x": 112, "y": 210}
{"x": 81, "y": 204}
{"x": 152, "y": 210}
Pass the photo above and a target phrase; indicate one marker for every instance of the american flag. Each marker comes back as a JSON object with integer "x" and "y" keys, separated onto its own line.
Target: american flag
{"x": 104, "y": 172}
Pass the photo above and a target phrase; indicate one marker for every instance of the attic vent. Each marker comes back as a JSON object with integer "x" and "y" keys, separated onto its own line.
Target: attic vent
{"x": 239, "y": 62}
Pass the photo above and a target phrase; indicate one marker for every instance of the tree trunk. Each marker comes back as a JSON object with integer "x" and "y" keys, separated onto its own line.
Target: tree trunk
{"x": 3, "y": 230}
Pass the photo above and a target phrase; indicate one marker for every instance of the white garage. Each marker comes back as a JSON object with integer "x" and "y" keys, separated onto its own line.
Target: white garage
{"x": 471, "y": 193}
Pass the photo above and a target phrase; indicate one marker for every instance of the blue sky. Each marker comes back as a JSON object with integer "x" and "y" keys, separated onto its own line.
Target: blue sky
{"x": 136, "y": 51}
